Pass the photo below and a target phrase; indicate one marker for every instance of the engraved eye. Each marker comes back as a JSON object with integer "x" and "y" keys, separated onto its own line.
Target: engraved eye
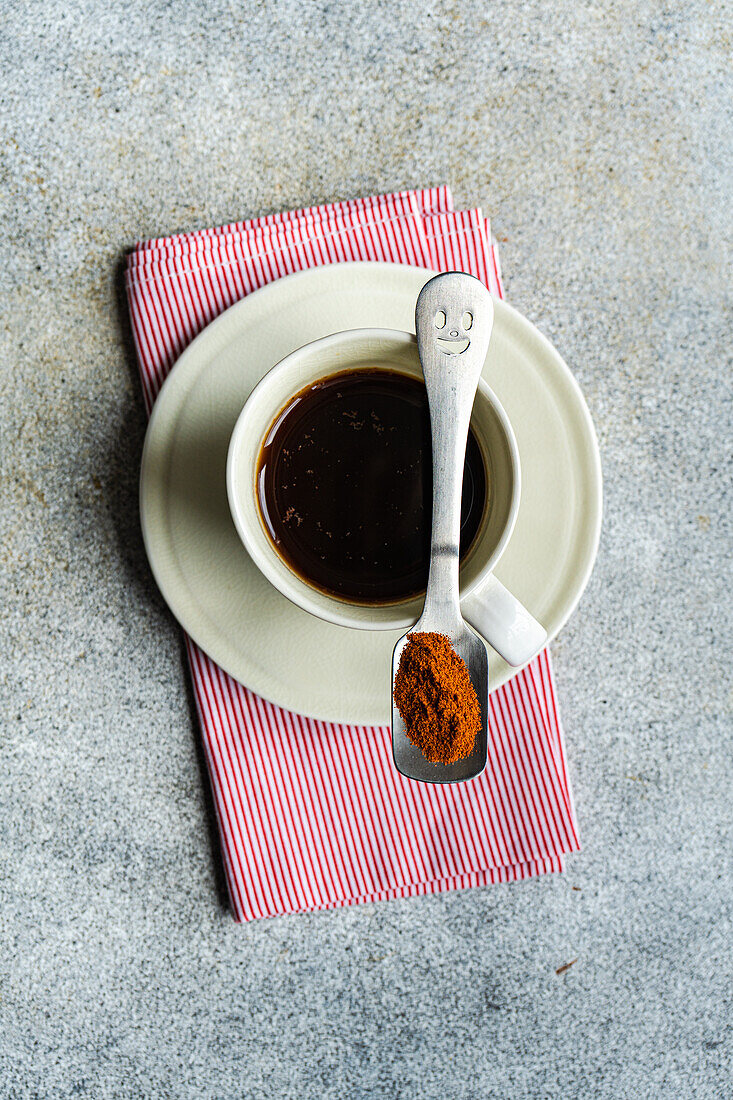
{"x": 440, "y": 319}
{"x": 467, "y": 321}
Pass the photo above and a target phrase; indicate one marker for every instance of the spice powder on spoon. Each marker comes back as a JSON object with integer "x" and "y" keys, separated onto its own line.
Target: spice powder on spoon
{"x": 434, "y": 694}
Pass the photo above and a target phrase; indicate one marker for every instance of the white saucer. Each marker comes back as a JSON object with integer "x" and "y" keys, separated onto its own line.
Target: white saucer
{"x": 214, "y": 590}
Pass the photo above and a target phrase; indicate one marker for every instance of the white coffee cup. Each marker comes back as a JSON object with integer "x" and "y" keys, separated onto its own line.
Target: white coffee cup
{"x": 485, "y": 602}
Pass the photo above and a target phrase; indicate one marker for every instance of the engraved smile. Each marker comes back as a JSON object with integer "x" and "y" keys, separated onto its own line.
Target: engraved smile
{"x": 452, "y": 347}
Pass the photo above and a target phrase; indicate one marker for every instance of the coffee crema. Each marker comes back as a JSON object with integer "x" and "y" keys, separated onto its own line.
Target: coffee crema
{"x": 344, "y": 486}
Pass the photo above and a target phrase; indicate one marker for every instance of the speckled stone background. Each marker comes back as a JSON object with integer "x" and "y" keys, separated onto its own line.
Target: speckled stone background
{"x": 598, "y": 139}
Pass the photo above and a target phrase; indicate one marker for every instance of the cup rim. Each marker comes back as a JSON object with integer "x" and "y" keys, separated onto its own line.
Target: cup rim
{"x": 299, "y": 592}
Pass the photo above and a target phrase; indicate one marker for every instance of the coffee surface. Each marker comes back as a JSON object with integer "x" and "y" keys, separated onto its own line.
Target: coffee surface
{"x": 344, "y": 486}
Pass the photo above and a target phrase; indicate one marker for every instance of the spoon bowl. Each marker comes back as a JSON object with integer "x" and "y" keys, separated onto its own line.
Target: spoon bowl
{"x": 407, "y": 757}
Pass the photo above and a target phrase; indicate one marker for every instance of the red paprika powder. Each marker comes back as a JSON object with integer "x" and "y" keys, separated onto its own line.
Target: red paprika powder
{"x": 434, "y": 694}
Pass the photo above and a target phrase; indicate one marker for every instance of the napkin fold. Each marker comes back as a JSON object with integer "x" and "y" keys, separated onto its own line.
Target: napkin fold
{"x": 313, "y": 815}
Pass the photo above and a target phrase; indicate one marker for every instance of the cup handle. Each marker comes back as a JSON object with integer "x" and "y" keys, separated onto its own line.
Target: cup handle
{"x": 504, "y": 622}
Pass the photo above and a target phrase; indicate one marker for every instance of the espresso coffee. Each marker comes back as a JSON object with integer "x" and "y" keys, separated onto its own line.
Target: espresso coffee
{"x": 344, "y": 486}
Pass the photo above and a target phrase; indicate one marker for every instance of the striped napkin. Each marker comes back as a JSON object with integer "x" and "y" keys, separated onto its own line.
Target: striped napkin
{"x": 313, "y": 815}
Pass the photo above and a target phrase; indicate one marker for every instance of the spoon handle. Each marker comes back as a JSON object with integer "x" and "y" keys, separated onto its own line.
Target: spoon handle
{"x": 454, "y": 316}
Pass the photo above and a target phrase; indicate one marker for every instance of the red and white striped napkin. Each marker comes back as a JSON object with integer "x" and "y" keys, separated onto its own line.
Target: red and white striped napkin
{"x": 313, "y": 815}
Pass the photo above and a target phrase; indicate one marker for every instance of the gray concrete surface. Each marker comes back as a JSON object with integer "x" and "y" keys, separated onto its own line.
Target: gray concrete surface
{"x": 598, "y": 138}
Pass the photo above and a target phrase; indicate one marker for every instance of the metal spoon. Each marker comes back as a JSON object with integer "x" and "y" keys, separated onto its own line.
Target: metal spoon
{"x": 454, "y": 316}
